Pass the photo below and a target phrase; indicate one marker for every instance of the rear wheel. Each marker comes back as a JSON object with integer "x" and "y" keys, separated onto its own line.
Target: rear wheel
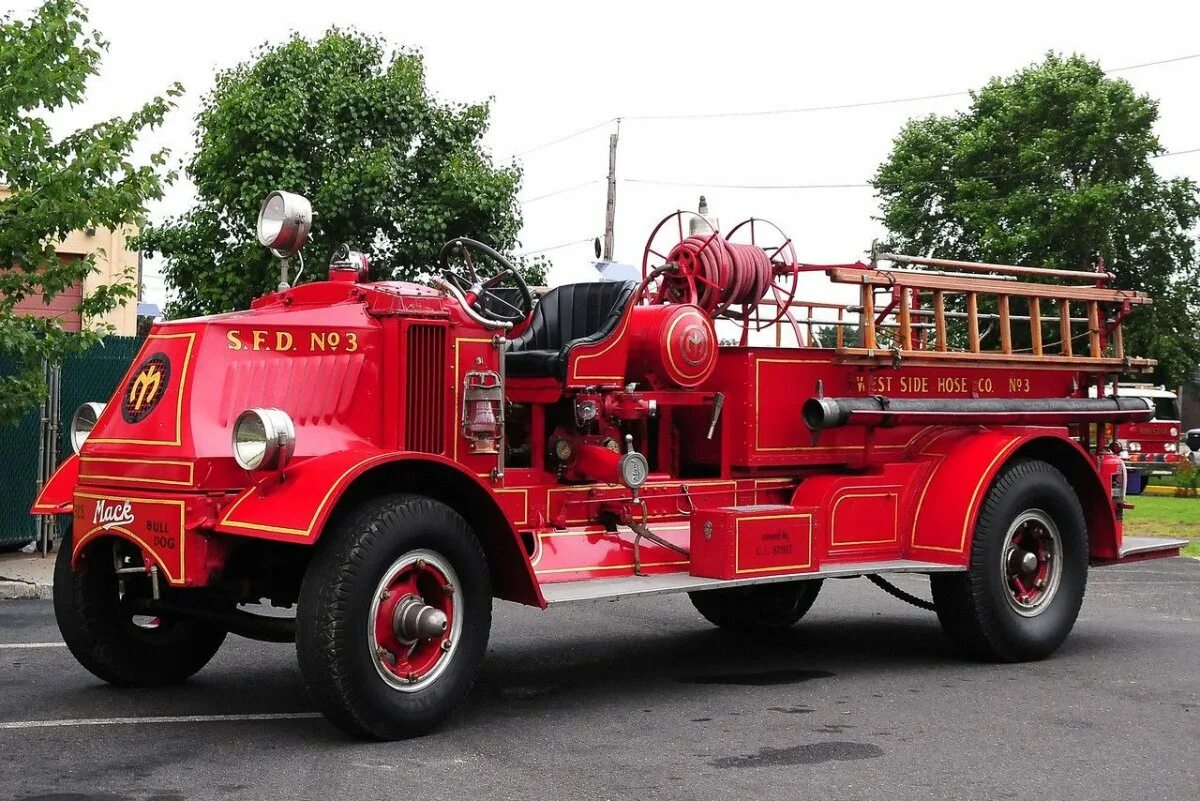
{"x": 394, "y": 616}
{"x": 763, "y": 607}
{"x": 104, "y": 628}
{"x": 1024, "y": 586}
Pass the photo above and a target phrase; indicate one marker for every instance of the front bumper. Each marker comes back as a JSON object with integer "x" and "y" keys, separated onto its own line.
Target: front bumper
{"x": 1153, "y": 468}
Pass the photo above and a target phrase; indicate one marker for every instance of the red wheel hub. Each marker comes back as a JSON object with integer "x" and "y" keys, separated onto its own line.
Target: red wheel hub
{"x": 415, "y": 620}
{"x": 1032, "y": 562}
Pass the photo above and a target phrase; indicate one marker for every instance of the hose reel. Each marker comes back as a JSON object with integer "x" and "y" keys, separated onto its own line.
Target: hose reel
{"x": 725, "y": 278}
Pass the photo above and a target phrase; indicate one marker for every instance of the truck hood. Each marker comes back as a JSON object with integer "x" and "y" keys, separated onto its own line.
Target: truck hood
{"x": 169, "y": 423}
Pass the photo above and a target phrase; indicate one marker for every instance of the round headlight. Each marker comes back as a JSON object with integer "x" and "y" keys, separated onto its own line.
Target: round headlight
{"x": 83, "y": 422}
{"x": 263, "y": 439}
{"x": 284, "y": 222}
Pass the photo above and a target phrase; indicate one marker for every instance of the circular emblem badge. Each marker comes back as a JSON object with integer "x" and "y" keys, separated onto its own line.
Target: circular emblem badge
{"x": 146, "y": 388}
{"x": 695, "y": 345}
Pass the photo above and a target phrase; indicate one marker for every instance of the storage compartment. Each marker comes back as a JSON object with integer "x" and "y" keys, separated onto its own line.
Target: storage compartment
{"x": 731, "y": 542}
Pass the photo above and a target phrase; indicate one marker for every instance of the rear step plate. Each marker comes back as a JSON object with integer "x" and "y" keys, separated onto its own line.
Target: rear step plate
{"x": 1144, "y": 546}
{"x": 628, "y": 586}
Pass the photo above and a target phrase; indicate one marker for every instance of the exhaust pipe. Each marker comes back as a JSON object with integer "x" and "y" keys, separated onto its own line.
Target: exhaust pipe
{"x": 823, "y": 413}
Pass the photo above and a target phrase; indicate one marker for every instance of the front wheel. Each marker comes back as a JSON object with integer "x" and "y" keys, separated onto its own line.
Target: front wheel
{"x": 394, "y": 616}
{"x": 99, "y": 615}
{"x": 762, "y": 607}
{"x": 1024, "y": 586}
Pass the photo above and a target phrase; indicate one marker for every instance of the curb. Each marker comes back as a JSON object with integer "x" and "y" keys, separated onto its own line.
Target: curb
{"x": 1163, "y": 492}
{"x": 24, "y": 590}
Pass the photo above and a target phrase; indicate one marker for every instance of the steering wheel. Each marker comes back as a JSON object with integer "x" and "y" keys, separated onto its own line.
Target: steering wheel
{"x": 479, "y": 292}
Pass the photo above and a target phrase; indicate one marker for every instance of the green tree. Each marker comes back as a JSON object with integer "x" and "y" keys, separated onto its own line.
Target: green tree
{"x": 351, "y": 126}
{"x": 1052, "y": 166}
{"x": 85, "y": 178}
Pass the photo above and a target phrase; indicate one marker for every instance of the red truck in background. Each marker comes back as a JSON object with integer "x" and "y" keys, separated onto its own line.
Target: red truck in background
{"x": 1150, "y": 448}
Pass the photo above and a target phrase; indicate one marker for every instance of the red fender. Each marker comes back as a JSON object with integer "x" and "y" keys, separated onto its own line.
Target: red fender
{"x": 963, "y": 463}
{"x": 57, "y": 495}
{"x": 296, "y": 505}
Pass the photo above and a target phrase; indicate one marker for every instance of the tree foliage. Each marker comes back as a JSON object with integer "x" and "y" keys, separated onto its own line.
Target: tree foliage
{"x": 1053, "y": 166}
{"x": 352, "y": 126}
{"x": 86, "y": 178}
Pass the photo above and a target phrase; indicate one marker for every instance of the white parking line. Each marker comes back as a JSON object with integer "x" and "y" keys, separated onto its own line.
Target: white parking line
{"x": 44, "y": 724}
{"x": 32, "y": 645}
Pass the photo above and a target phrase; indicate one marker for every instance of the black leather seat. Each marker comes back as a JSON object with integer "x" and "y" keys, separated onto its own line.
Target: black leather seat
{"x": 565, "y": 317}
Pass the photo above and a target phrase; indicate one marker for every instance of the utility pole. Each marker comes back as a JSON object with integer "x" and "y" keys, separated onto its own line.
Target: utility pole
{"x": 610, "y": 215}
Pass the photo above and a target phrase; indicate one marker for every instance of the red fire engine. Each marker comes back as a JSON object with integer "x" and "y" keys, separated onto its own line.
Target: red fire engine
{"x": 1151, "y": 448}
{"x": 389, "y": 457}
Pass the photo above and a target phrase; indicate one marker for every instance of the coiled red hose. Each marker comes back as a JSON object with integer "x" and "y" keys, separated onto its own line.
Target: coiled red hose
{"x": 724, "y": 273}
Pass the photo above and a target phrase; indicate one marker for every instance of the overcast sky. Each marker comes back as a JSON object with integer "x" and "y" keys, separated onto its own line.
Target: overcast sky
{"x": 555, "y": 68}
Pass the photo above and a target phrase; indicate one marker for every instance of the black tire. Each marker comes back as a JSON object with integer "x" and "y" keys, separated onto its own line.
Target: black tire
{"x": 975, "y": 609}
{"x": 99, "y": 629}
{"x": 761, "y": 607}
{"x": 336, "y": 598}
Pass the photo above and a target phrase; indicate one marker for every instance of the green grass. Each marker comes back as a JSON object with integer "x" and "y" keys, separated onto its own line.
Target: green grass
{"x": 1153, "y": 516}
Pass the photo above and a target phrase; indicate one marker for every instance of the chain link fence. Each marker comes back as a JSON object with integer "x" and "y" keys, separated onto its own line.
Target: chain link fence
{"x": 19, "y": 445}
{"x": 30, "y": 450}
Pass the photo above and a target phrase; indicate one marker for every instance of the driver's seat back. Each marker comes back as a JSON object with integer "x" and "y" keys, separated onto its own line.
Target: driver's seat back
{"x": 565, "y": 318}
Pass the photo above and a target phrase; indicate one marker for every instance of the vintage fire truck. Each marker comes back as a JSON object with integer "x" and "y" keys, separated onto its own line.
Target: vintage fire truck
{"x": 388, "y": 457}
{"x": 1151, "y": 448}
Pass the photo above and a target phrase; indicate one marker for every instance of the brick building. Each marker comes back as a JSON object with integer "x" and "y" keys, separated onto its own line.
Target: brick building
{"x": 113, "y": 257}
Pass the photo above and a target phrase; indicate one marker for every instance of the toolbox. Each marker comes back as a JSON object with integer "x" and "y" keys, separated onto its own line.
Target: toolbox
{"x": 730, "y": 542}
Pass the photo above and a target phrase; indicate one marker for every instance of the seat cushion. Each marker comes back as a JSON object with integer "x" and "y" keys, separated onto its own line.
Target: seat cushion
{"x": 535, "y": 364}
{"x": 566, "y": 316}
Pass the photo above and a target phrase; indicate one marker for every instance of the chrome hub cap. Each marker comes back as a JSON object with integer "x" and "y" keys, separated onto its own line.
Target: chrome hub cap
{"x": 1032, "y": 562}
{"x": 415, "y": 620}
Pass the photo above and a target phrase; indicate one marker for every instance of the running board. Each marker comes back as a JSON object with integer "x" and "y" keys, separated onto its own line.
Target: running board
{"x": 629, "y": 586}
{"x": 1144, "y": 547}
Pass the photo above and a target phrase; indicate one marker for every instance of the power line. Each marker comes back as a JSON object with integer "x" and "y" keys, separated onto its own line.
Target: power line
{"x": 562, "y": 191}
{"x": 744, "y": 186}
{"x": 867, "y": 103}
{"x": 703, "y": 184}
{"x": 555, "y": 247}
{"x": 801, "y": 110}
{"x": 811, "y": 109}
{"x": 564, "y": 138}
{"x": 1177, "y": 153}
{"x": 1154, "y": 63}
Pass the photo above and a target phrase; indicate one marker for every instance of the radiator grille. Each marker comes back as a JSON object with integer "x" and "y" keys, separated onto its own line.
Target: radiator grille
{"x": 424, "y": 389}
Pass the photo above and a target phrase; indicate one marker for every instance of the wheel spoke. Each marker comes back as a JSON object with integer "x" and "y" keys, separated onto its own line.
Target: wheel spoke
{"x": 1031, "y": 562}
{"x": 496, "y": 298}
{"x": 777, "y": 250}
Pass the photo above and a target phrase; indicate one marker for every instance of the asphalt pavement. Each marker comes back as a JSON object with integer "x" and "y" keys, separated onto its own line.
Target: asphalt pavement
{"x": 642, "y": 699}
